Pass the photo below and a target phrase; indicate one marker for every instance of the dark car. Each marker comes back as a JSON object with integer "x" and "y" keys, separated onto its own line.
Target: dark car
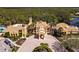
{"x": 6, "y": 41}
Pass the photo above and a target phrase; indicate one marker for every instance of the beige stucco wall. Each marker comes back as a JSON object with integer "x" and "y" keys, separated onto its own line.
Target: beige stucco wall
{"x": 15, "y": 30}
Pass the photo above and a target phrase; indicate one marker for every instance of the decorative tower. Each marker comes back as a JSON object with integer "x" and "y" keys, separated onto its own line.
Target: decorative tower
{"x": 30, "y": 20}
{"x": 41, "y": 29}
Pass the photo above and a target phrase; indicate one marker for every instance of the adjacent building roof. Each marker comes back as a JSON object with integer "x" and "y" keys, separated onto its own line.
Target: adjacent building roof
{"x": 62, "y": 25}
{"x": 2, "y": 29}
{"x": 75, "y": 21}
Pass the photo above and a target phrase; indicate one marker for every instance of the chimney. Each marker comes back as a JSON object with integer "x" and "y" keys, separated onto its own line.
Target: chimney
{"x": 30, "y": 20}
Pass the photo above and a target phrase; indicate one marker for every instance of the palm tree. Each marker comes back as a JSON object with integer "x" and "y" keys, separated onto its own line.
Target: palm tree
{"x": 42, "y": 48}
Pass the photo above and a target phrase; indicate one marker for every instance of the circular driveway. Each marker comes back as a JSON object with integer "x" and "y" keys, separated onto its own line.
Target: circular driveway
{"x": 32, "y": 42}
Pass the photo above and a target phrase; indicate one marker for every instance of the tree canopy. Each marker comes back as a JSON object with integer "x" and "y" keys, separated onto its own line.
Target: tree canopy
{"x": 20, "y": 15}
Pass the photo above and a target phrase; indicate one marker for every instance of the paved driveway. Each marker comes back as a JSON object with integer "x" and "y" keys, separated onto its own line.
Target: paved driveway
{"x": 4, "y": 47}
{"x": 32, "y": 42}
